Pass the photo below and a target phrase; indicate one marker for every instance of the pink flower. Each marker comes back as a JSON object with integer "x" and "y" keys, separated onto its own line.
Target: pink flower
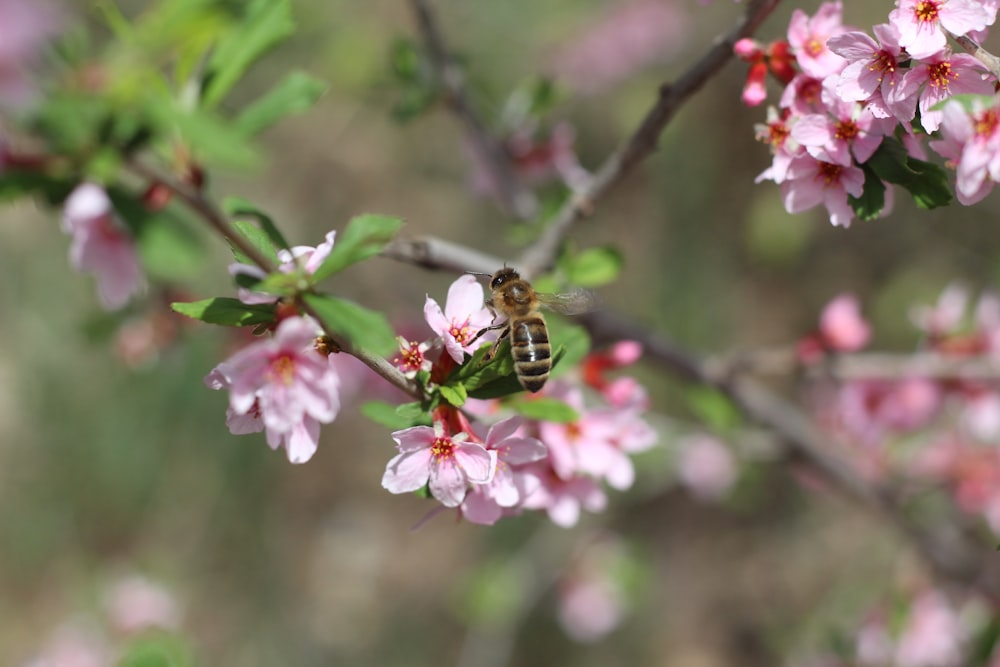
{"x": 842, "y": 326}
{"x": 102, "y": 245}
{"x": 465, "y": 314}
{"x": 971, "y": 142}
{"x": 946, "y": 315}
{"x": 25, "y": 27}
{"x": 447, "y": 463}
{"x": 808, "y": 38}
{"x": 845, "y": 129}
{"x": 933, "y": 80}
{"x": 75, "y": 644}
{"x": 812, "y": 182}
{"x": 298, "y": 258}
{"x": 486, "y": 502}
{"x": 777, "y": 133}
{"x": 136, "y": 603}
{"x": 562, "y": 498}
{"x": 873, "y": 71}
{"x": 284, "y": 381}
{"x": 933, "y": 635}
{"x": 412, "y": 359}
{"x": 589, "y": 609}
{"x": 921, "y": 23}
{"x": 706, "y": 467}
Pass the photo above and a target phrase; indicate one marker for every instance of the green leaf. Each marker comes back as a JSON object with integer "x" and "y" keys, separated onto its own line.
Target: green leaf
{"x": 395, "y": 417}
{"x": 454, "y": 394}
{"x": 282, "y": 284}
{"x": 265, "y": 24}
{"x": 593, "y": 267}
{"x": 872, "y": 200}
{"x": 544, "y": 409}
{"x": 927, "y": 182}
{"x": 365, "y": 236}
{"x": 296, "y": 93}
{"x": 713, "y": 408}
{"x": 170, "y": 249}
{"x": 574, "y": 341}
{"x": 237, "y": 207}
{"x": 157, "y": 650}
{"x": 362, "y": 327}
{"x": 258, "y": 238}
{"x": 52, "y": 189}
{"x": 226, "y": 311}
{"x": 211, "y": 137}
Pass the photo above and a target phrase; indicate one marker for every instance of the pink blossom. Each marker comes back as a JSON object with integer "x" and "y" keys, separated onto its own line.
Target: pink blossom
{"x": 933, "y": 635}
{"x": 706, "y": 466}
{"x": 812, "y": 182}
{"x": 485, "y": 503}
{"x": 75, "y": 644}
{"x": 25, "y": 27}
{"x": 136, "y": 603}
{"x": 873, "y": 71}
{"x": 285, "y": 382}
{"x": 946, "y": 315}
{"x": 846, "y": 129}
{"x": 589, "y": 609}
{"x": 777, "y": 133}
{"x": 298, "y": 258}
{"x": 921, "y": 23}
{"x": 464, "y": 315}
{"x": 933, "y": 80}
{"x": 630, "y": 36}
{"x": 448, "y": 463}
{"x": 842, "y": 326}
{"x": 562, "y": 498}
{"x": 803, "y": 95}
{"x": 971, "y": 142}
{"x": 871, "y": 410}
{"x": 808, "y": 38}
{"x": 102, "y": 245}
{"x": 412, "y": 357}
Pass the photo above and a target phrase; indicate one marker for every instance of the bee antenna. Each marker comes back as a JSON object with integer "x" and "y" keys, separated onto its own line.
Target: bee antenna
{"x": 478, "y": 273}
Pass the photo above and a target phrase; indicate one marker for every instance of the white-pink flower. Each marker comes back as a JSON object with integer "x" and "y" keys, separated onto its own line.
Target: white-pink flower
{"x": 485, "y": 503}
{"x": 846, "y": 130}
{"x": 873, "y": 71}
{"x": 102, "y": 245}
{"x": 285, "y": 382}
{"x": 935, "y": 79}
{"x": 933, "y": 635}
{"x": 842, "y": 326}
{"x": 24, "y": 29}
{"x": 562, "y": 498}
{"x": 808, "y": 38}
{"x": 448, "y": 464}
{"x": 811, "y": 182}
{"x": 298, "y": 258}
{"x": 971, "y": 142}
{"x": 921, "y": 23}
{"x": 465, "y": 314}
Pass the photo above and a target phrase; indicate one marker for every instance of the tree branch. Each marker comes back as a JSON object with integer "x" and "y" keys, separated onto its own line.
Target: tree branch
{"x": 672, "y": 96}
{"x": 514, "y": 196}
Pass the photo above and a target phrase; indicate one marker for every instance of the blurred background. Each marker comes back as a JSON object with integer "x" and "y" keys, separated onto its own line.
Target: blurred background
{"x": 120, "y": 484}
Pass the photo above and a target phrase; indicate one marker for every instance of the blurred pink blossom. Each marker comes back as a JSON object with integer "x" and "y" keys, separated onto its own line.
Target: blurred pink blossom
{"x": 933, "y": 635}
{"x": 562, "y": 498}
{"x": 630, "y": 36}
{"x": 102, "y": 245}
{"x": 590, "y": 608}
{"x": 25, "y": 27}
{"x": 74, "y": 644}
{"x": 842, "y": 326}
{"x": 706, "y": 466}
{"x": 136, "y": 603}
{"x": 871, "y": 410}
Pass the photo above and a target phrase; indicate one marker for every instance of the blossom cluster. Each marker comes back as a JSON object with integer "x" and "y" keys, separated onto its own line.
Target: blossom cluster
{"x": 929, "y": 427}
{"x": 845, "y": 92}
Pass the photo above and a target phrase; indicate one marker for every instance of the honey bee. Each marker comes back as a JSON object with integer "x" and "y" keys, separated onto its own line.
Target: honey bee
{"x": 514, "y": 299}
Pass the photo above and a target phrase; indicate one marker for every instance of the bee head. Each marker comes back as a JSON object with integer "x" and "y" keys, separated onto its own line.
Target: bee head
{"x": 502, "y": 276}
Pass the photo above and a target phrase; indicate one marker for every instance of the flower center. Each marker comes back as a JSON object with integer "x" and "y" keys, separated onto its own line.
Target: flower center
{"x": 412, "y": 359}
{"x": 814, "y": 47}
{"x": 776, "y": 135}
{"x": 986, "y": 123}
{"x": 460, "y": 332}
{"x": 846, "y": 130}
{"x": 883, "y": 62}
{"x": 282, "y": 370}
{"x": 443, "y": 448}
{"x": 926, "y": 11}
{"x": 829, "y": 173}
{"x": 940, "y": 75}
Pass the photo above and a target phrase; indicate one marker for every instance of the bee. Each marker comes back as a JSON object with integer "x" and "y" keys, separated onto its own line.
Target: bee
{"x": 514, "y": 299}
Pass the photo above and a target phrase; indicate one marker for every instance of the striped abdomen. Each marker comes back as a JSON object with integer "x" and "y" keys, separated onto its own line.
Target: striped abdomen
{"x": 529, "y": 344}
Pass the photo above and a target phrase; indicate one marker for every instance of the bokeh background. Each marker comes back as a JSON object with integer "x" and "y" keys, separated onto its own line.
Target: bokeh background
{"x": 111, "y": 469}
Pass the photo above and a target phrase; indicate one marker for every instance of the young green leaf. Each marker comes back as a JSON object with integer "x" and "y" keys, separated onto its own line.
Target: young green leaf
{"x": 226, "y": 311}
{"x": 395, "y": 417}
{"x": 593, "y": 267}
{"x": 927, "y": 182}
{"x": 361, "y": 326}
{"x": 296, "y": 93}
{"x": 364, "y": 237}
{"x": 237, "y": 207}
{"x": 872, "y": 200}
{"x": 258, "y": 238}
{"x": 264, "y": 24}
{"x": 454, "y": 394}
{"x": 713, "y": 408}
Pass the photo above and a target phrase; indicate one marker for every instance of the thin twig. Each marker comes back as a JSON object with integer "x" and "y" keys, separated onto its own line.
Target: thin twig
{"x": 541, "y": 255}
{"x": 991, "y": 62}
{"x": 514, "y": 196}
{"x": 210, "y": 213}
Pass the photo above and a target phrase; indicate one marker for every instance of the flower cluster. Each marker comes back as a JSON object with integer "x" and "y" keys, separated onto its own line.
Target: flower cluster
{"x": 501, "y": 466}
{"x": 851, "y": 90}
{"x": 940, "y": 427}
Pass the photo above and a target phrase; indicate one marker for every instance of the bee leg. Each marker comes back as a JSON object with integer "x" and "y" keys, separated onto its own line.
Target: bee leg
{"x": 493, "y": 350}
{"x": 492, "y": 327}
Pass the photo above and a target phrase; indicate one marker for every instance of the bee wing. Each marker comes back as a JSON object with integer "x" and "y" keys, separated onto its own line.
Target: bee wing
{"x": 570, "y": 303}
